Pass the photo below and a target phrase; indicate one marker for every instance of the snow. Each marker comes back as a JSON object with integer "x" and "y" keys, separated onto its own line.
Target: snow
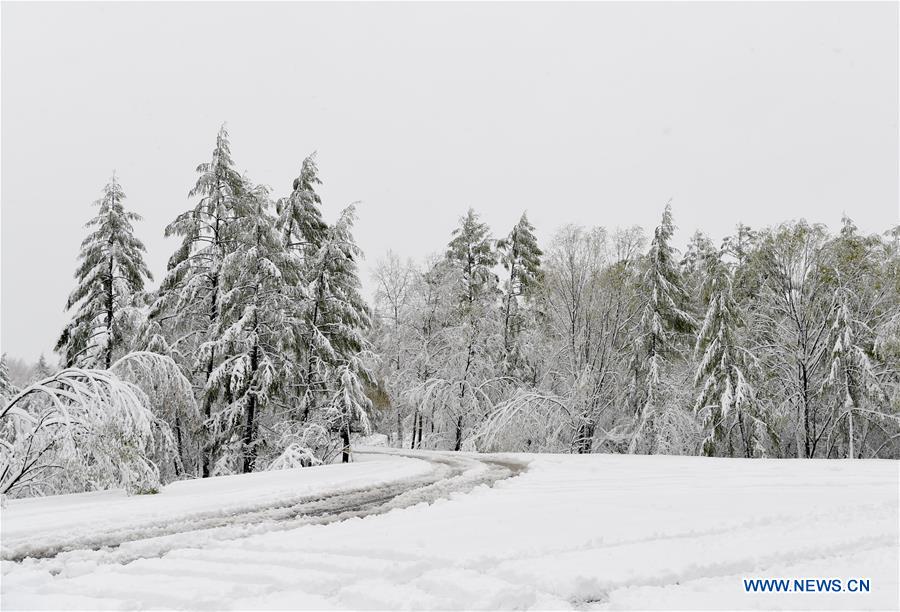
{"x": 568, "y": 532}
{"x": 34, "y": 525}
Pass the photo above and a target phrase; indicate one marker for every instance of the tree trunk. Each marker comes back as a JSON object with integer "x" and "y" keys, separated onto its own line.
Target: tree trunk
{"x": 421, "y": 421}
{"x": 179, "y": 460}
{"x": 743, "y": 436}
{"x": 345, "y": 438}
{"x": 249, "y": 451}
{"x": 109, "y": 312}
{"x": 459, "y": 432}
{"x": 850, "y": 417}
{"x": 207, "y": 401}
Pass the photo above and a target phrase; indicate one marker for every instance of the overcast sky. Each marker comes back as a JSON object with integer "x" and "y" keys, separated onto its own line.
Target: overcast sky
{"x": 587, "y": 113}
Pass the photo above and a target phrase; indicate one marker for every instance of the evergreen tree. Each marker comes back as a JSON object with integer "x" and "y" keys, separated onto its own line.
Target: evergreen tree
{"x": 700, "y": 258}
{"x": 191, "y": 293}
{"x": 111, "y": 272}
{"x": 741, "y": 243}
{"x": 521, "y": 257}
{"x": 334, "y": 320}
{"x": 7, "y": 388}
{"x": 471, "y": 252}
{"x": 852, "y": 377}
{"x": 663, "y": 320}
{"x": 472, "y": 255}
{"x": 42, "y": 369}
{"x": 300, "y": 214}
{"x": 254, "y": 311}
{"x": 741, "y": 247}
{"x": 303, "y": 232}
{"x": 726, "y": 397}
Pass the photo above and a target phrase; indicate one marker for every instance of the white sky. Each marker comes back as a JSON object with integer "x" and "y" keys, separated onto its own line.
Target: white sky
{"x": 585, "y": 113}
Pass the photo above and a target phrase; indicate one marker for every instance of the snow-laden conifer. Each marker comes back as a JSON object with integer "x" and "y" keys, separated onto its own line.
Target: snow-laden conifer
{"x": 334, "y": 321}
{"x": 300, "y": 214}
{"x": 726, "y": 400}
{"x": 521, "y": 257}
{"x": 472, "y": 255}
{"x": 111, "y": 271}
{"x": 249, "y": 338}
{"x": 853, "y": 380}
{"x": 663, "y": 320}
{"x": 7, "y": 388}
{"x": 191, "y": 293}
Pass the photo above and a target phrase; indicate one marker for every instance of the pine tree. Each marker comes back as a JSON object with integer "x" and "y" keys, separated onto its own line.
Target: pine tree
{"x": 727, "y": 397}
{"x": 663, "y": 319}
{"x": 254, "y": 311}
{"x": 472, "y": 254}
{"x": 740, "y": 247}
{"x": 303, "y": 232}
{"x": 42, "y": 369}
{"x": 7, "y": 388}
{"x": 334, "y": 320}
{"x": 111, "y": 272}
{"x": 699, "y": 259}
{"x": 521, "y": 257}
{"x": 191, "y": 293}
{"x": 300, "y": 214}
{"x": 852, "y": 377}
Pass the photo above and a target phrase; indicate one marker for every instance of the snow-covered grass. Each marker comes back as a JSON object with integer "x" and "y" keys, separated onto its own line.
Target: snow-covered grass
{"x": 595, "y": 531}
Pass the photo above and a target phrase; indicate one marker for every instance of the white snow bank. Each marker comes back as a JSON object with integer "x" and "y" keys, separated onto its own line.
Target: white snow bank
{"x": 585, "y": 532}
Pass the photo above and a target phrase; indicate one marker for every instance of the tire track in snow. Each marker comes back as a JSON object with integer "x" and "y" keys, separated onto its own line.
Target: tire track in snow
{"x": 451, "y": 473}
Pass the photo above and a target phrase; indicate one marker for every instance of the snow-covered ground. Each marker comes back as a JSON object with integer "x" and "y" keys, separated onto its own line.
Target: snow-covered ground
{"x": 584, "y": 532}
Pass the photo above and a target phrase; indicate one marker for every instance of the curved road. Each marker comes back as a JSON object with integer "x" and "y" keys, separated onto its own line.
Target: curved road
{"x": 451, "y": 473}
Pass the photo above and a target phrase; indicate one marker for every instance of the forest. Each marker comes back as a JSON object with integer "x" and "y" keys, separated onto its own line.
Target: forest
{"x": 258, "y": 349}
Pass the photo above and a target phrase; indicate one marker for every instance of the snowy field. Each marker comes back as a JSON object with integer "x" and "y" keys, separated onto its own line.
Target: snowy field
{"x": 451, "y": 531}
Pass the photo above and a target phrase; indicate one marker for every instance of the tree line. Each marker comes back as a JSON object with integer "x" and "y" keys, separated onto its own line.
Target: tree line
{"x": 778, "y": 342}
{"x": 258, "y": 350}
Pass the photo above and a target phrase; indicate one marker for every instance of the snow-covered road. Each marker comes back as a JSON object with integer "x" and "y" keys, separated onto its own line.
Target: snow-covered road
{"x": 449, "y": 531}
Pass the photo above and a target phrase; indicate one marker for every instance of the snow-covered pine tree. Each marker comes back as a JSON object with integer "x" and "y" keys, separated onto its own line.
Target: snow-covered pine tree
{"x": 887, "y": 330}
{"x": 7, "y": 388}
{"x": 740, "y": 248}
{"x": 727, "y": 397}
{"x": 303, "y": 232}
{"x": 853, "y": 380}
{"x": 333, "y": 321}
{"x": 699, "y": 259}
{"x": 42, "y": 369}
{"x": 191, "y": 292}
{"x": 300, "y": 214}
{"x": 663, "y": 320}
{"x": 249, "y": 338}
{"x": 471, "y": 252}
{"x": 740, "y": 244}
{"x": 110, "y": 272}
{"x": 521, "y": 257}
